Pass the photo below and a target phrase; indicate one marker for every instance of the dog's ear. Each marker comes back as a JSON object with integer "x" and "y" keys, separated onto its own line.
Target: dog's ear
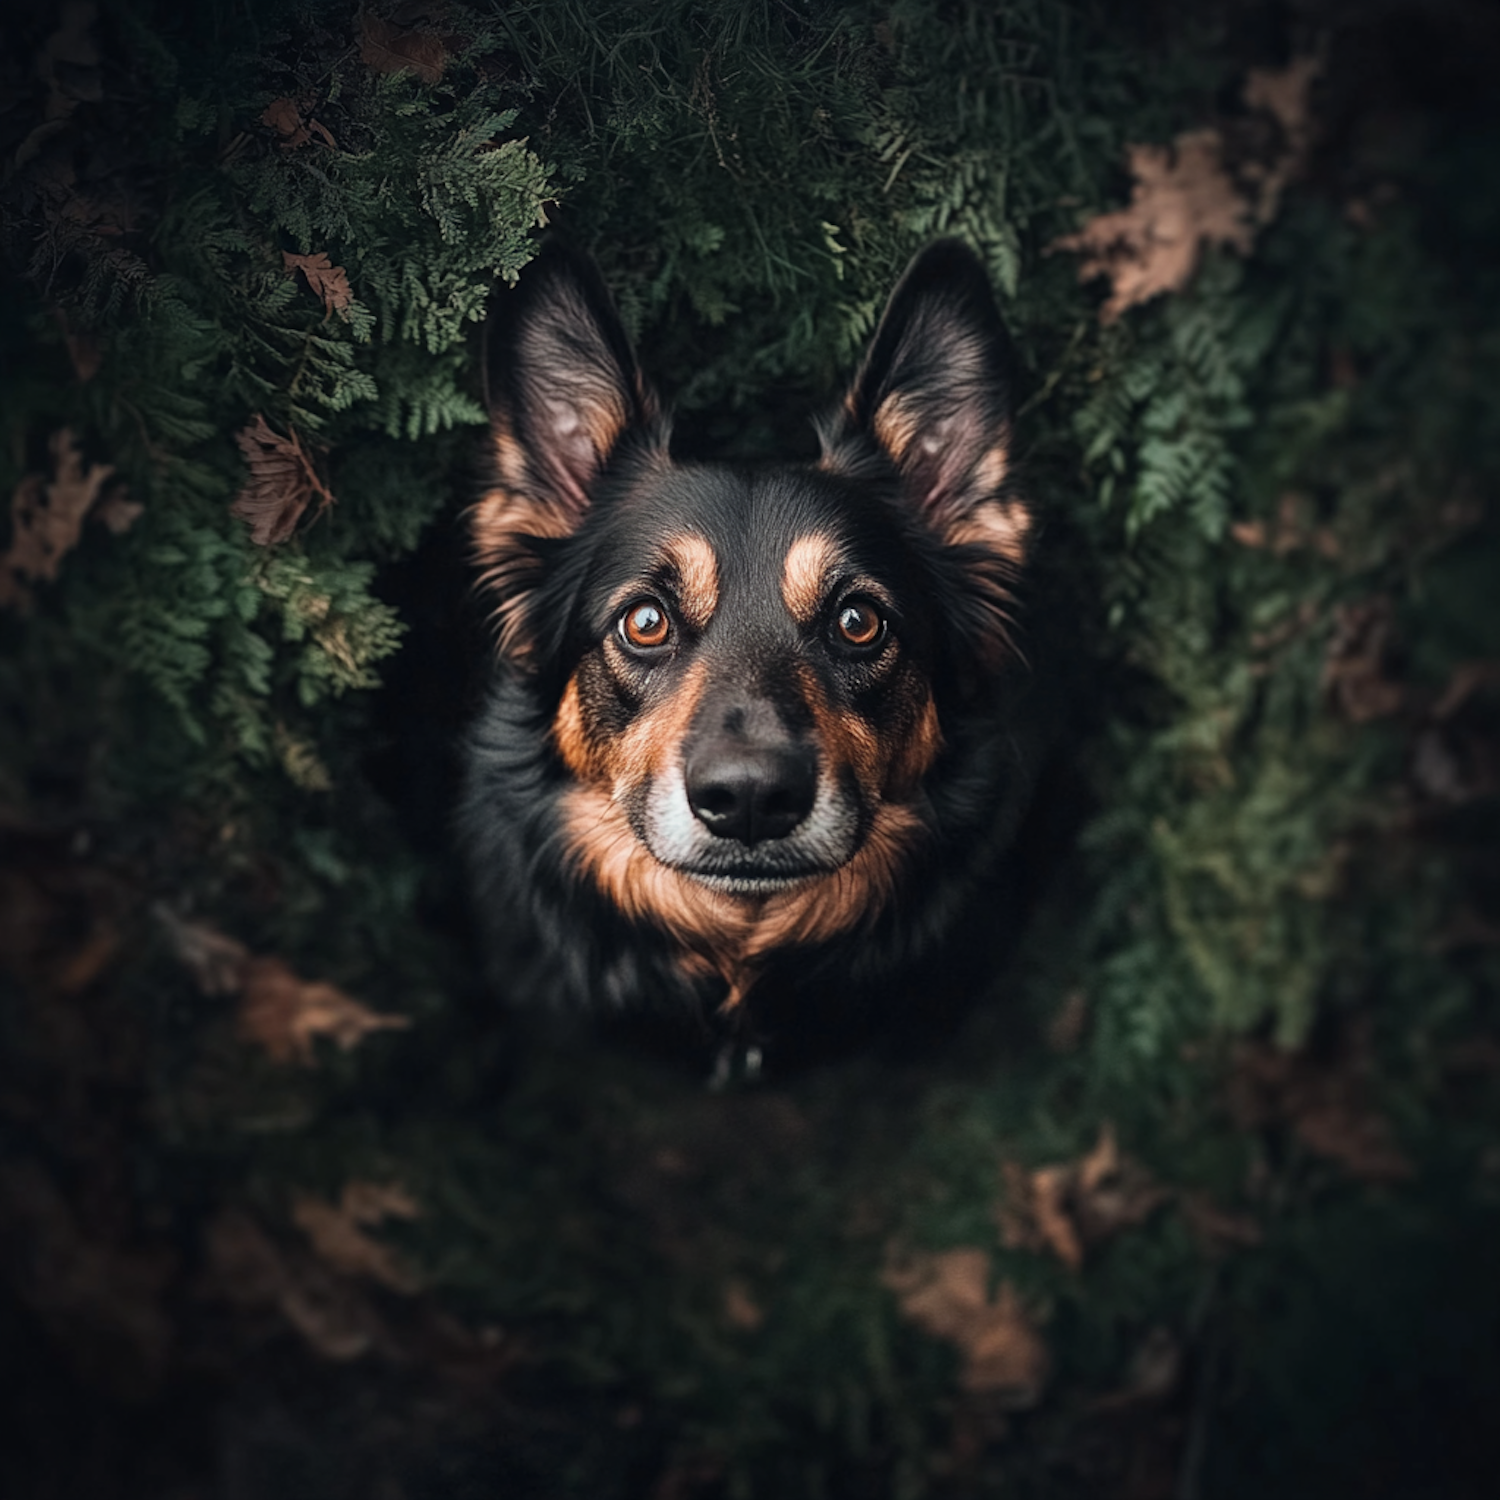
{"x": 564, "y": 394}
{"x": 933, "y": 396}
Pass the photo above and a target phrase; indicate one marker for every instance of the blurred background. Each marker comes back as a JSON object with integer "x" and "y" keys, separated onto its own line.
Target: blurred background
{"x": 1201, "y": 1199}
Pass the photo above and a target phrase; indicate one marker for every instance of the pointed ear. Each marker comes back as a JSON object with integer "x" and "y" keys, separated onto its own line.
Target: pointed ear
{"x": 933, "y": 396}
{"x": 565, "y": 395}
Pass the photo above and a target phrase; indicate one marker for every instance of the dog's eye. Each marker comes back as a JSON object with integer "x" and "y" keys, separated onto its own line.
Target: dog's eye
{"x": 645, "y": 625}
{"x": 859, "y": 624}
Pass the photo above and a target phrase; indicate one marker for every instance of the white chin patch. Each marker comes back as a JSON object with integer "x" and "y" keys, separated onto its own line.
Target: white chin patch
{"x": 825, "y": 839}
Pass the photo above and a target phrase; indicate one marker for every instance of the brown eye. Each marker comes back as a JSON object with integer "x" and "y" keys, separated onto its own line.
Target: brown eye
{"x": 645, "y": 625}
{"x": 859, "y": 623}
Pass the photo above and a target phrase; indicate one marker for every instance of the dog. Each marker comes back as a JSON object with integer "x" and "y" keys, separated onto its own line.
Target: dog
{"x": 758, "y": 740}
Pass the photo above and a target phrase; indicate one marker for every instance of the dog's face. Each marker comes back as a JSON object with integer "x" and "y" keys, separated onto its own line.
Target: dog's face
{"x": 747, "y": 672}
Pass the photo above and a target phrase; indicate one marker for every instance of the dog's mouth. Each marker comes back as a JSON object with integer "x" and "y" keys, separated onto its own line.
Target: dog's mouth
{"x": 752, "y": 881}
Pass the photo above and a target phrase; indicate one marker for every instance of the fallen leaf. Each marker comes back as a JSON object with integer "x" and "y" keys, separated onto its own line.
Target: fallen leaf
{"x": 286, "y": 1015}
{"x": 1468, "y": 678}
{"x": 1154, "y": 1374}
{"x": 1290, "y": 532}
{"x": 1065, "y": 1029}
{"x": 1184, "y": 196}
{"x": 338, "y": 1232}
{"x": 328, "y": 282}
{"x": 1183, "y": 199}
{"x": 947, "y": 1295}
{"x": 1285, "y": 94}
{"x": 1068, "y": 1207}
{"x": 1452, "y": 767}
{"x": 284, "y": 116}
{"x": 69, "y": 64}
{"x": 84, "y": 351}
{"x": 47, "y": 518}
{"x": 1354, "y": 670}
{"x": 1051, "y": 1210}
{"x": 102, "y": 1302}
{"x": 117, "y": 511}
{"x": 282, "y": 483}
{"x": 216, "y": 961}
{"x": 1218, "y": 1229}
{"x": 741, "y": 1309}
{"x": 389, "y": 48}
{"x": 1325, "y": 1101}
{"x": 1114, "y": 1191}
{"x": 247, "y": 1268}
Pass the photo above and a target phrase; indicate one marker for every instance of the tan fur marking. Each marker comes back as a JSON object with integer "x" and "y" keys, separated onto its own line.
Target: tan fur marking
{"x": 887, "y": 768}
{"x": 1000, "y": 527}
{"x": 895, "y": 426}
{"x": 916, "y": 751}
{"x": 570, "y": 735}
{"x": 604, "y": 420}
{"x": 697, "y": 575}
{"x": 500, "y": 525}
{"x": 845, "y": 739}
{"x": 993, "y": 465}
{"x": 510, "y": 456}
{"x": 805, "y": 574}
{"x": 654, "y": 735}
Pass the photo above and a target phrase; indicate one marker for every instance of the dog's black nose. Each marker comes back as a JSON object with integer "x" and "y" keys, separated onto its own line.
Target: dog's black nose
{"x": 751, "y": 793}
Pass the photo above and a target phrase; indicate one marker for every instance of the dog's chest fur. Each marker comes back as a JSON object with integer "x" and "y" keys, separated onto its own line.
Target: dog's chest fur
{"x": 756, "y": 738}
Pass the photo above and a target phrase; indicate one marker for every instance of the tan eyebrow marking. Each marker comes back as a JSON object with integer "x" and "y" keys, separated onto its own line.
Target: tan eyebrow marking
{"x": 697, "y": 569}
{"x": 804, "y": 574}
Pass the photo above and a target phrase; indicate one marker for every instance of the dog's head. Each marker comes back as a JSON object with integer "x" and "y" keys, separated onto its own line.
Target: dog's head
{"x": 748, "y": 671}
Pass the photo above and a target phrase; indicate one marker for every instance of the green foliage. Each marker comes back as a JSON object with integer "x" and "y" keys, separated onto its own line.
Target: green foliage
{"x": 1243, "y": 474}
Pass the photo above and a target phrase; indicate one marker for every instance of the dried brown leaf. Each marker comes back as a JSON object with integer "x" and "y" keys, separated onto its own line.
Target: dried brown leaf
{"x": 1154, "y": 1374}
{"x": 947, "y": 1294}
{"x": 1069, "y": 1206}
{"x": 1285, "y": 94}
{"x": 285, "y": 118}
{"x": 282, "y": 483}
{"x": 1468, "y": 678}
{"x": 741, "y": 1310}
{"x": 1326, "y": 1102}
{"x": 1219, "y": 1229}
{"x": 1114, "y": 1191}
{"x": 282, "y": 116}
{"x": 117, "y": 511}
{"x": 248, "y": 1268}
{"x": 286, "y": 1015}
{"x": 1066, "y": 1028}
{"x": 47, "y": 518}
{"x": 84, "y": 352}
{"x": 329, "y": 283}
{"x": 389, "y": 48}
{"x": 216, "y": 961}
{"x": 1355, "y": 675}
{"x": 1052, "y": 1202}
{"x": 68, "y": 62}
{"x": 104, "y": 1302}
{"x": 1183, "y": 199}
{"x": 338, "y": 1233}
{"x": 1290, "y": 532}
